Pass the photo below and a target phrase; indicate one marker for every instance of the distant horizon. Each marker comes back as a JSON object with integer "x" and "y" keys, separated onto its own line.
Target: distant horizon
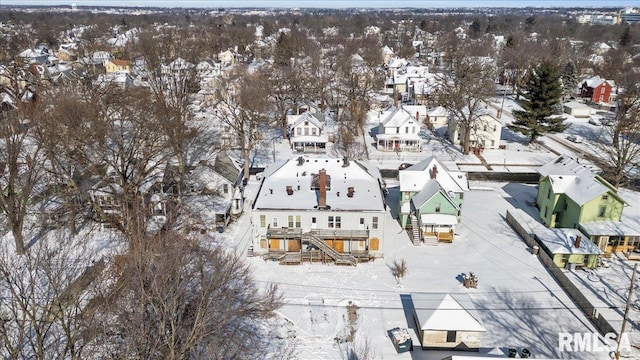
{"x": 333, "y": 4}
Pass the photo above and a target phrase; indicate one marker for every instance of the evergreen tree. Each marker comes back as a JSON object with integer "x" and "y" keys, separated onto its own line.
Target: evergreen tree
{"x": 625, "y": 38}
{"x": 540, "y": 96}
{"x": 569, "y": 78}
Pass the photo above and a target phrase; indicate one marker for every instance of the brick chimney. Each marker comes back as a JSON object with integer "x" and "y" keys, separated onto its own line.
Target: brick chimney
{"x": 322, "y": 197}
{"x": 434, "y": 171}
{"x": 417, "y": 116}
{"x": 578, "y": 241}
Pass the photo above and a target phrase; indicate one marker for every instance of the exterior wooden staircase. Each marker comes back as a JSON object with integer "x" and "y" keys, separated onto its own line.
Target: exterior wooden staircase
{"x": 416, "y": 237}
{"x": 340, "y": 259}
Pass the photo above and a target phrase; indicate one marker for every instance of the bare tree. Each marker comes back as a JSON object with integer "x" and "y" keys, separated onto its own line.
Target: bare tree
{"x": 179, "y": 300}
{"x": 465, "y": 90}
{"x": 42, "y": 296}
{"x": 20, "y": 165}
{"x": 619, "y": 142}
{"x": 242, "y": 105}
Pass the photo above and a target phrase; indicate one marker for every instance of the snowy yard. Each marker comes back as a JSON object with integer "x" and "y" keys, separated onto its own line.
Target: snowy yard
{"x": 518, "y": 301}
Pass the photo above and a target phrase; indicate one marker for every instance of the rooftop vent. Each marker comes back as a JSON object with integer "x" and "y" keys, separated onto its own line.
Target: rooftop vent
{"x": 289, "y": 190}
{"x": 350, "y": 191}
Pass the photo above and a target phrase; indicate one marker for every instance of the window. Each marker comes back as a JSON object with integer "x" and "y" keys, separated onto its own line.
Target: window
{"x": 274, "y": 222}
{"x": 544, "y": 211}
{"x": 406, "y": 130}
{"x": 602, "y": 90}
{"x": 313, "y": 131}
{"x": 263, "y": 221}
{"x": 397, "y": 130}
{"x": 451, "y": 336}
{"x": 225, "y": 188}
{"x": 306, "y": 131}
{"x": 602, "y": 211}
{"x": 413, "y": 130}
{"x": 299, "y": 131}
{"x": 374, "y": 222}
{"x": 338, "y": 226}
{"x": 294, "y": 221}
{"x": 313, "y": 220}
{"x": 438, "y": 207}
{"x": 361, "y": 221}
{"x": 330, "y": 222}
{"x": 334, "y": 222}
{"x": 407, "y": 195}
{"x": 461, "y": 196}
{"x": 605, "y": 197}
{"x": 549, "y": 193}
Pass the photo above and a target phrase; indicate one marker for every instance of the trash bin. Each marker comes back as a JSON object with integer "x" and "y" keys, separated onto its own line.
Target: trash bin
{"x": 513, "y": 352}
{"x": 525, "y": 353}
{"x": 535, "y": 250}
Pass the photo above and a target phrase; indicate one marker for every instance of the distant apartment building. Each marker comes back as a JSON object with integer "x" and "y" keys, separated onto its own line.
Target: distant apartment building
{"x": 629, "y": 15}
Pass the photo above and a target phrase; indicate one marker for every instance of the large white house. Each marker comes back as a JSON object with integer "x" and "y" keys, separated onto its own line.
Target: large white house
{"x": 485, "y": 132}
{"x": 306, "y": 133}
{"x": 398, "y": 131}
{"x": 319, "y": 209}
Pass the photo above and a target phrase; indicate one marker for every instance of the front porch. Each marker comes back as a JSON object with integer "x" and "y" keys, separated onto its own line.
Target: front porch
{"x": 309, "y": 146}
{"x": 397, "y": 143}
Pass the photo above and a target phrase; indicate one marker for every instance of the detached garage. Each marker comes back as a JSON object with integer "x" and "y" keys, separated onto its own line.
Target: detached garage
{"x": 577, "y": 109}
{"x": 447, "y": 322}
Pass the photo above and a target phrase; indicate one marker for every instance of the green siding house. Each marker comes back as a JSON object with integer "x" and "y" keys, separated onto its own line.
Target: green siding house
{"x": 568, "y": 247}
{"x": 430, "y": 200}
{"x": 570, "y": 194}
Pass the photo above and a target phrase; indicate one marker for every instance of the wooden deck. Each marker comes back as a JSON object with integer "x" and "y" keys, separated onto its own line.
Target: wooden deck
{"x": 311, "y": 256}
{"x": 441, "y": 236}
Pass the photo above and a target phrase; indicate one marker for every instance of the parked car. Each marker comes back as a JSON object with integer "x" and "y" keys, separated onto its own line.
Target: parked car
{"x": 404, "y": 166}
{"x": 574, "y": 138}
{"x": 595, "y": 121}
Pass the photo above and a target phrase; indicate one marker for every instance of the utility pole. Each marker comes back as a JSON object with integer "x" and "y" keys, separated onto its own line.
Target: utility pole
{"x": 626, "y": 310}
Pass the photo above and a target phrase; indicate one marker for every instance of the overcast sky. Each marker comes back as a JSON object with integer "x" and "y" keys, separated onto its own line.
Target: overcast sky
{"x": 334, "y": 3}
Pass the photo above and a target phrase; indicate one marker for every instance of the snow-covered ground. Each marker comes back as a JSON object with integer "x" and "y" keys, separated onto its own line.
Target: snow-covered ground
{"x": 519, "y": 303}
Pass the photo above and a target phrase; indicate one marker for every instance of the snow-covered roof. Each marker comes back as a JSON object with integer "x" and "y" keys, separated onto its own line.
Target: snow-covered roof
{"x": 609, "y": 228}
{"x": 397, "y": 117}
{"x": 576, "y": 105}
{"x": 440, "y": 311}
{"x": 295, "y": 120}
{"x": 562, "y": 241}
{"x": 438, "y": 111}
{"x": 569, "y": 177}
{"x": 431, "y": 188}
{"x": 438, "y": 219}
{"x": 413, "y": 109}
{"x": 415, "y": 177}
{"x": 595, "y": 81}
{"x": 299, "y": 174}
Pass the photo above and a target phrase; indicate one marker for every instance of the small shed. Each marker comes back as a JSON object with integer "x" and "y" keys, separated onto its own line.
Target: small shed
{"x": 568, "y": 247}
{"x": 577, "y": 109}
{"x": 447, "y": 322}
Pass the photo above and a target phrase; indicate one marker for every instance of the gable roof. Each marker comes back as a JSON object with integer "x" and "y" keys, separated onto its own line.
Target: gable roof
{"x": 414, "y": 177}
{"x": 577, "y": 182}
{"x": 296, "y": 120}
{"x": 595, "y": 81}
{"x": 397, "y": 117}
{"x": 443, "y": 312}
{"x": 430, "y": 189}
{"x": 226, "y": 167}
